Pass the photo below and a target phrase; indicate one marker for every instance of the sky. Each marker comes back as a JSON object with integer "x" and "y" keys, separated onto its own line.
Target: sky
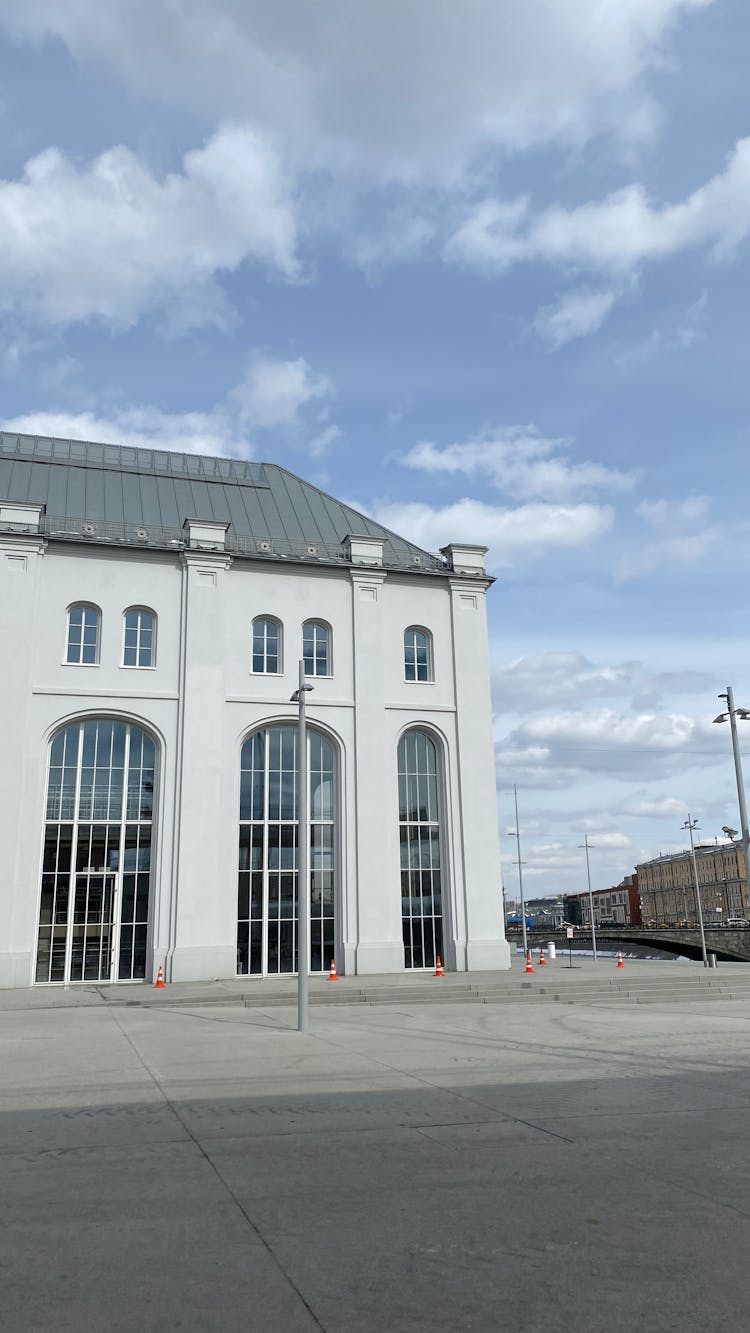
{"x": 480, "y": 269}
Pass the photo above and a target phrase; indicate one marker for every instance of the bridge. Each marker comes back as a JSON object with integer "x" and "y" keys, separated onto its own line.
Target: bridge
{"x": 728, "y": 945}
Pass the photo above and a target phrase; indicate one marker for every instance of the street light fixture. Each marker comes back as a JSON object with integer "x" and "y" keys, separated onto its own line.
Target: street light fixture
{"x": 691, "y": 824}
{"x": 303, "y": 906}
{"x": 587, "y": 844}
{"x": 732, "y": 714}
{"x": 517, "y": 836}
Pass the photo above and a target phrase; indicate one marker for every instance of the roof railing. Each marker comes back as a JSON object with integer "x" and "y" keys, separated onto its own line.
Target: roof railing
{"x": 266, "y": 547}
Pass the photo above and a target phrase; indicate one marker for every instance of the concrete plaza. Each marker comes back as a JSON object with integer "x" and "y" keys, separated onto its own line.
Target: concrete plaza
{"x": 409, "y": 1166}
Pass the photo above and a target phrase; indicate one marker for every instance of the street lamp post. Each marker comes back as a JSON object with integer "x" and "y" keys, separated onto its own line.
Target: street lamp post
{"x": 732, "y": 714}
{"x": 517, "y": 836}
{"x": 691, "y": 824}
{"x": 303, "y": 906}
{"x": 587, "y": 844}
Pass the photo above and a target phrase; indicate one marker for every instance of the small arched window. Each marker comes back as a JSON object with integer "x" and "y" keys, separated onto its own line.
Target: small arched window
{"x": 139, "y": 643}
{"x": 267, "y": 646}
{"x": 316, "y": 648}
{"x": 417, "y": 654}
{"x": 83, "y": 635}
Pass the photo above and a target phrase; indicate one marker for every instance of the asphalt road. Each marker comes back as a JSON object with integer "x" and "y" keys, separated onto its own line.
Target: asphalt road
{"x": 512, "y": 1167}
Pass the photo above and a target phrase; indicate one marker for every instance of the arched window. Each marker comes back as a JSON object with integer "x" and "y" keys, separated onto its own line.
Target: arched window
{"x": 139, "y": 642}
{"x": 316, "y": 648}
{"x": 93, "y": 915}
{"x": 83, "y": 635}
{"x": 419, "y": 835}
{"x": 267, "y": 885}
{"x": 417, "y": 654}
{"x": 267, "y": 646}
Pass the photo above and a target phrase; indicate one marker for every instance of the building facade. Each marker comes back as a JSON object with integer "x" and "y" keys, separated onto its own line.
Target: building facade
{"x": 618, "y": 906}
{"x": 154, "y": 610}
{"x": 667, "y": 886}
{"x": 541, "y": 913}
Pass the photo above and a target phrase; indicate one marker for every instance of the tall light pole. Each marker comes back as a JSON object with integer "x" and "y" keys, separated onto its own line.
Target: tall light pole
{"x": 732, "y": 714}
{"x": 587, "y": 844}
{"x": 517, "y": 836}
{"x": 691, "y": 824}
{"x": 303, "y": 905}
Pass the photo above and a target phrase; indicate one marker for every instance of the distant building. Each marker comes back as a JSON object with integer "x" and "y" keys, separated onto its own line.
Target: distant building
{"x": 541, "y": 913}
{"x": 667, "y": 885}
{"x": 618, "y": 906}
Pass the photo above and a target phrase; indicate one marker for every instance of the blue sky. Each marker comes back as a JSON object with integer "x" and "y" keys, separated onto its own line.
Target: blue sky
{"x": 478, "y": 268}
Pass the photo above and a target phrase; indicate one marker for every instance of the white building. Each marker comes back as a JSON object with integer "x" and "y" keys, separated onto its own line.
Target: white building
{"x": 153, "y": 611}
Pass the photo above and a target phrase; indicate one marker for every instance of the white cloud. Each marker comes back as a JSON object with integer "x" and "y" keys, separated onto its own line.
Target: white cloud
{"x": 144, "y": 427}
{"x": 400, "y": 238}
{"x": 321, "y": 443}
{"x": 664, "y": 807}
{"x": 577, "y": 314}
{"x": 552, "y": 749}
{"x": 112, "y": 240}
{"x": 139, "y": 427}
{"x": 687, "y": 330}
{"x": 672, "y": 515}
{"x": 684, "y": 536}
{"x": 381, "y": 89}
{"x": 556, "y": 680}
{"x": 529, "y": 531}
{"x": 614, "y": 235}
{"x": 519, "y": 462}
{"x": 271, "y": 394}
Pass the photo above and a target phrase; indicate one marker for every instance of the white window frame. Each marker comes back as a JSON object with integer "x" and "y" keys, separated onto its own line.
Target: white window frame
{"x": 267, "y": 620}
{"x": 85, "y": 606}
{"x": 139, "y": 611}
{"x": 413, "y": 630}
{"x": 70, "y": 816}
{"x": 323, "y": 626}
{"x": 266, "y": 821}
{"x": 435, "y": 823}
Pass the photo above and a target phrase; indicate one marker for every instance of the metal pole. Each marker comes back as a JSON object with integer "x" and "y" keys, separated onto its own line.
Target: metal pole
{"x": 520, "y": 875}
{"x": 690, "y": 824}
{"x": 303, "y": 892}
{"x": 740, "y": 795}
{"x": 591, "y": 896}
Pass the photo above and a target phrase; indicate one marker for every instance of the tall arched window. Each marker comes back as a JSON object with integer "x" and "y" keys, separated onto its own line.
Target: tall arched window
{"x": 316, "y": 648}
{"x": 83, "y": 634}
{"x": 417, "y": 654}
{"x": 419, "y": 833}
{"x": 139, "y": 637}
{"x": 267, "y": 887}
{"x": 93, "y": 916}
{"x": 267, "y": 646}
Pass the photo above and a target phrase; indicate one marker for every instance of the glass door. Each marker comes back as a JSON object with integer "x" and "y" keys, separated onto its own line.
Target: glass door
{"x": 92, "y": 933}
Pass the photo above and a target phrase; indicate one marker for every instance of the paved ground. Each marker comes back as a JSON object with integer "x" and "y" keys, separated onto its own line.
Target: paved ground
{"x": 519, "y": 1167}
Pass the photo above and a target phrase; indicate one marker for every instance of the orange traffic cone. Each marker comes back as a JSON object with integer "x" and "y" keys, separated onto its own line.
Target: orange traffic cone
{"x": 159, "y": 983}
{"x": 528, "y": 967}
{"x": 619, "y": 958}
{"x": 438, "y": 968}
{"x": 542, "y": 959}
{"x": 333, "y": 975}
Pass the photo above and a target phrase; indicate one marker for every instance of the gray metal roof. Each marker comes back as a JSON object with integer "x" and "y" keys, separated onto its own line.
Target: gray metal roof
{"x": 127, "y": 496}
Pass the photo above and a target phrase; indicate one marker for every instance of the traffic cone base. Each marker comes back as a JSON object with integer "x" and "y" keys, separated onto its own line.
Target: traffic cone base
{"x": 333, "y": 974}
{"x": 528, "y": 967}
{"x": 438, "y": 968}
{"x": 159, "y": 983}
